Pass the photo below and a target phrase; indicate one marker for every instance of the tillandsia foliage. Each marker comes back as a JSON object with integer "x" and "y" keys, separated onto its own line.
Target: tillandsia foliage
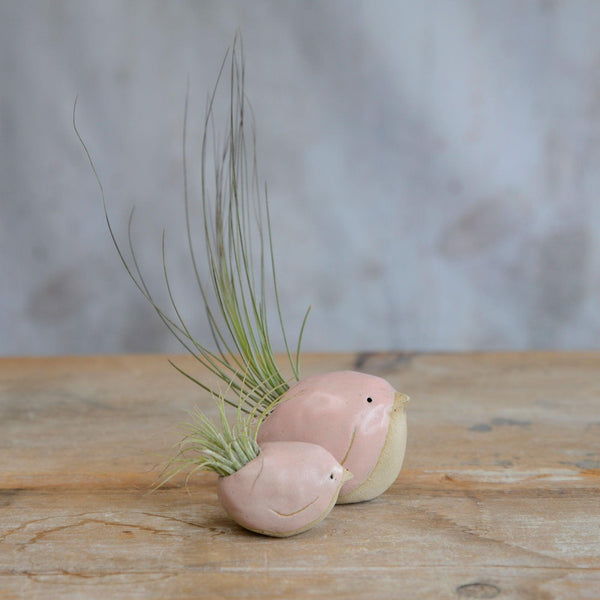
{"x": 239, "y": 253}
{"x": 221, "y": 448}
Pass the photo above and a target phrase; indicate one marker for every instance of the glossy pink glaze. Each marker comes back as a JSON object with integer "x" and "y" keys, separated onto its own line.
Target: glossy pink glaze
{"x": 287, "y": 489}
{"x": 332, "y": 410}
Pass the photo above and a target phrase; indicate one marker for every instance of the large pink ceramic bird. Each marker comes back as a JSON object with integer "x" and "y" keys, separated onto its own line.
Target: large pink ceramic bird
{"x": 359, "y": 418}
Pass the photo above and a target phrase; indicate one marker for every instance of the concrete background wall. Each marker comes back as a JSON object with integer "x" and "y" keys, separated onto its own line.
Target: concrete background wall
{"x": 433, "y": 168}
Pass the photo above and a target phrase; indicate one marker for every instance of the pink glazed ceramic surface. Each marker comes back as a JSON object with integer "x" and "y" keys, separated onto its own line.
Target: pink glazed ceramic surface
{"x": 354, "y": 416}
{"x": 288, "y": 488}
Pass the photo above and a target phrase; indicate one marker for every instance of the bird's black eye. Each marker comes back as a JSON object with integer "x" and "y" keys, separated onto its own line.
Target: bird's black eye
{"x": 331, "y": 476}
{"x": 369, "y": 399}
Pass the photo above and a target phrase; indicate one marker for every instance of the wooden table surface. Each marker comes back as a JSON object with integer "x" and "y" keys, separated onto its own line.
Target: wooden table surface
{"x": 499, "y": 496}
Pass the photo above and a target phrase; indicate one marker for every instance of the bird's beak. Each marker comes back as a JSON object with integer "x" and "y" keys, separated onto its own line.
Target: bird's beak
{"x": 400, "y": 399}
{"x": 347, "y": 476}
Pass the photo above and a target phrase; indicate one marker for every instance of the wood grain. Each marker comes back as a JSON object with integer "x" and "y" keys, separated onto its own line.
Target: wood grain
{"x": 499, "y": 497}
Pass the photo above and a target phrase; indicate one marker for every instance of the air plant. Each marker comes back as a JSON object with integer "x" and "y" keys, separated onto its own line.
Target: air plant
{"x": 221, "y": 448}
{"x": 235, "y": 293}
{"x": 360, "y": 419}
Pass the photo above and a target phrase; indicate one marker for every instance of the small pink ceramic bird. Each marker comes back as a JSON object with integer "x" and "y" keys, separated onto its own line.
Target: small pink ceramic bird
{"x": 277, "y": 489}
{"x": 359, "y": 418}
{"x": 288, "y": 488}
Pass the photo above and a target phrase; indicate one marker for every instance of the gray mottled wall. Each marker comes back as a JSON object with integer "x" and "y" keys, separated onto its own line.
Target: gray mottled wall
{"x": 433, "y": 167}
